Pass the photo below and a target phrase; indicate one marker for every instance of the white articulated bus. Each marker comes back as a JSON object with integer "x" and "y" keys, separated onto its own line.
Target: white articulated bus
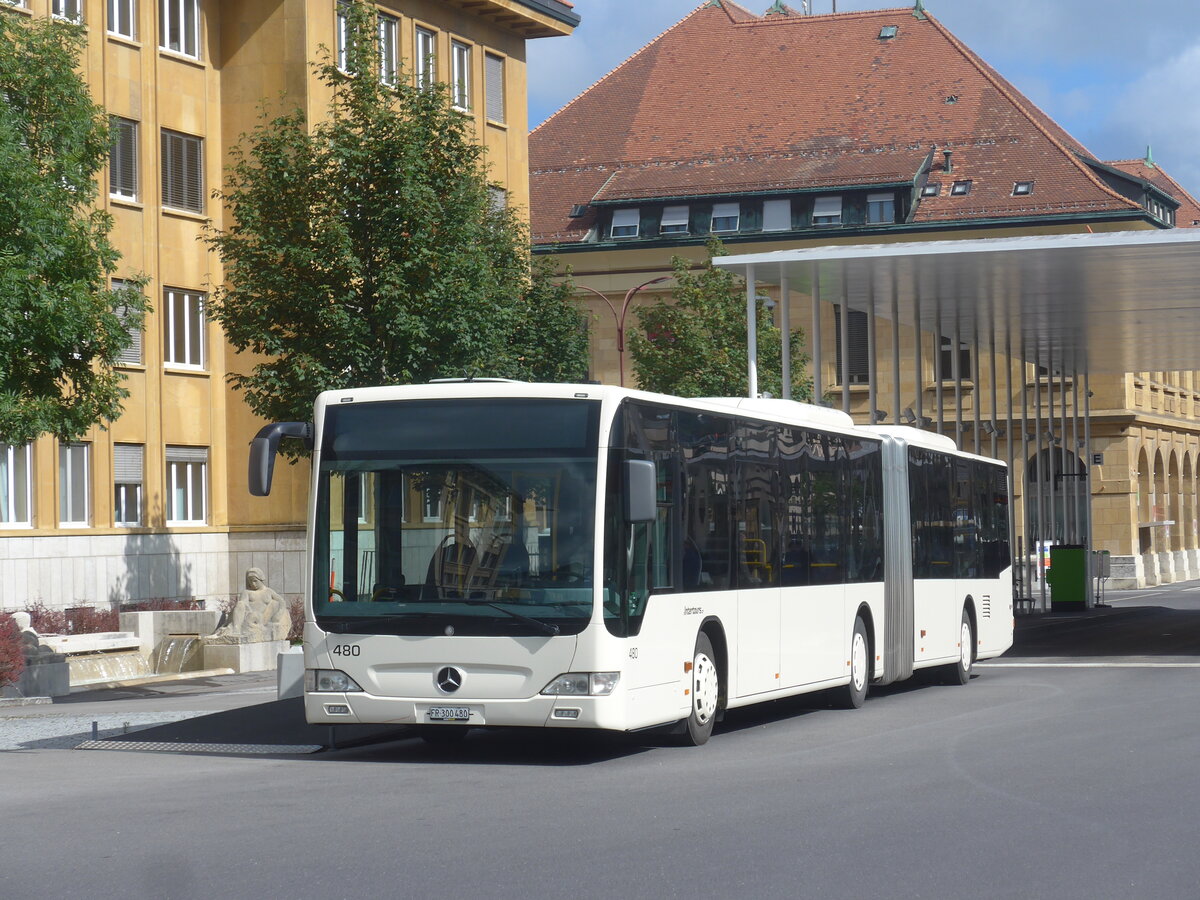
{"x": 585, "y": 556}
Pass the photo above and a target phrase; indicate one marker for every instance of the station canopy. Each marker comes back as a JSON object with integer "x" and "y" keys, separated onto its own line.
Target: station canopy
{"x": 1102, "y": 303}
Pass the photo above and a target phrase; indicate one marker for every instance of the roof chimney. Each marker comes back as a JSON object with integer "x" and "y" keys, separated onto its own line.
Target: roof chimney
{"x": 946, "y": 165}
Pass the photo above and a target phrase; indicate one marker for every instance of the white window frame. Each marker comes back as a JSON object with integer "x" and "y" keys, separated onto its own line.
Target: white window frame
{"x": 122, "y": 18}
{"x": 183, "y": 311}
{"x": 625, "y": 219}
{"x": 777, "y": 215}
{"x": 494, "y": 74}
{"x": 74, "y": 500}
{"x": 388, "y": 39}
{"x": 879, "y": 202}
{"x": 341, "y": 13}
{"x": 726, "y": 217}
{"x": 179, "y": 27}
{"x": 424, "y": 53}
{"x": 67, "y": 10}
{"x": 429, "y": 492}
{"x": 674, "y": 220}
{"x": 177, "y": 162}
{"x": 183, "y": 471}
{"x": 827, "y": 210}
{"x": 460, "y": 75}
{"x": 16, "y": 493}
{"x": 123, "y": 160}
{"x": 127, "y": 486}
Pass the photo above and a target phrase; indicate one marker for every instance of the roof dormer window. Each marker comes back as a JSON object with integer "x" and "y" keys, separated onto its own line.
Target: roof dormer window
{"x": 931, "y": 189}
{"x": 960, "y": 188}
{"x": 1022, "y": 188}
{"x": 827, "y": 211}
{"x": 726, "y": 216}
{"x": 674, "y": 220}
{"x": 625, "y": 223}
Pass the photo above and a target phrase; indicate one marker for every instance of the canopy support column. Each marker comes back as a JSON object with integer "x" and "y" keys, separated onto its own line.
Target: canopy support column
{"x": 785, "y": 326}
{"x": 751, "y": 334}
{"x": 817, "y": 360}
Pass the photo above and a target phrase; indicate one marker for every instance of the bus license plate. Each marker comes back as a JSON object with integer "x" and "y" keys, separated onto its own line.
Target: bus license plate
{"x": 449, "y": 713}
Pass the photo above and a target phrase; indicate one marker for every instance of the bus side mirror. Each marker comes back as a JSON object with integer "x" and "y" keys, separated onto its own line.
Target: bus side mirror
{"x": 264, "y": 447}
{"x": 641, "y": 491}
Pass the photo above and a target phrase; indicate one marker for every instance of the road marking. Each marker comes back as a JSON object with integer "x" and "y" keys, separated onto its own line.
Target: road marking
{"x": 1057, "y": 665}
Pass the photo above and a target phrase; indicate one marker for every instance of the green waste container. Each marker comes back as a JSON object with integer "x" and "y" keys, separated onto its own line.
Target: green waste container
{"x": 1067, "y": 576}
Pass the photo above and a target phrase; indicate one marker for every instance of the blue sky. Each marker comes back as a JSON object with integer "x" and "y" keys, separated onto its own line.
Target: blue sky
{"x": 1117, "y": 74}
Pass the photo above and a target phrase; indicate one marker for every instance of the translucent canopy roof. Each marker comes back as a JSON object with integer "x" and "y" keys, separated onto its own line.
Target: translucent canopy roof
{"x": 1106, "y": 302}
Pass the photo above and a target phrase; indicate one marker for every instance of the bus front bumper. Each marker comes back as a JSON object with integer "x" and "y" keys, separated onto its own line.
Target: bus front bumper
{"x": 539, "y": 711}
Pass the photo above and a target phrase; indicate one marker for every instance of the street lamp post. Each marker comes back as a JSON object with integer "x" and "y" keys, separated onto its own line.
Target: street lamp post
{"x": 619, "y": 318}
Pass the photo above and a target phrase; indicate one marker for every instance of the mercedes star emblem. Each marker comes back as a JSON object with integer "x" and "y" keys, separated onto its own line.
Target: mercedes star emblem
{"x": 449, "y": 679}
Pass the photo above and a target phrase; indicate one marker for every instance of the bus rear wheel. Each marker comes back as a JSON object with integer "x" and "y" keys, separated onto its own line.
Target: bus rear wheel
{"x": 706, "y": 694}
{"x": 854, "y": 694}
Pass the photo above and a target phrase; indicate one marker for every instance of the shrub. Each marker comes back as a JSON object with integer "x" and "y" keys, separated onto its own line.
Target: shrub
{"x": 159, "y": 604}
{"x": 296, "y": 608}
{"x": 12, "y": 657}
{"x": 44, "y": 620}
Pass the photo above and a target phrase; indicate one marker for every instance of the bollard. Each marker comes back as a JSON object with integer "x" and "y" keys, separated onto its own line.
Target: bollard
{"x": 95, "y": 731}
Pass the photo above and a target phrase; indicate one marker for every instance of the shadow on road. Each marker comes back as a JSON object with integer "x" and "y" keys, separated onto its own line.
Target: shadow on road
{"x": 1140, "y": 631}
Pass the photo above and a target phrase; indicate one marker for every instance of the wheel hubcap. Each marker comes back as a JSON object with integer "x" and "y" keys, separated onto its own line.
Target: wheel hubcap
{"x": 965, "y": 645}
{"x": 858, "y": 662}
{"x": 705, "y": 688}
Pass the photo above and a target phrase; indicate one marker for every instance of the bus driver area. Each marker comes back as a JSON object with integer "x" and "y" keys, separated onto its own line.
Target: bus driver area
{"x": 502, "y": 553}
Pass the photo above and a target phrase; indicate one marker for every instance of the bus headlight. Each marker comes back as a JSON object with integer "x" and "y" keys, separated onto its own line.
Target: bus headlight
{"x": 323, "y": 681}
{"x": 595, "y": 684}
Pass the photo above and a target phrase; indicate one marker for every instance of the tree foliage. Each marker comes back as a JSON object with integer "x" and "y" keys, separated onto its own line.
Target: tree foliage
{"x": 370, "y": 249}
{"x": 61, "y": 326}
{"x": 694, "y": 345}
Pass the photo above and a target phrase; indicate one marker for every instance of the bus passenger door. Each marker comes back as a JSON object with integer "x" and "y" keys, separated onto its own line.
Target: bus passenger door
{"x": 756, "y": 540}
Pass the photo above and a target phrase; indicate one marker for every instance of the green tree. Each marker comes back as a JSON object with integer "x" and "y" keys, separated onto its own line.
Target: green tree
{"x": 694, "y": 345}
{"x": 62, "y": 328}
{"x": 371, "y": 249}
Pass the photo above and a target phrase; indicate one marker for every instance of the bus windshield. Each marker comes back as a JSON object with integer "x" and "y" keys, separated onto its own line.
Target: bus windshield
{"x": 470, "y": 517}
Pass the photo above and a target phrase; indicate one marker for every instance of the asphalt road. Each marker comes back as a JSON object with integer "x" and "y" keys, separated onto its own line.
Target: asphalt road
{"x": 1067, "y": 769}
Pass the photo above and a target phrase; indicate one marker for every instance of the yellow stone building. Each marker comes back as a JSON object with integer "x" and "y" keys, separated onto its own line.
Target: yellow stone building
{"x": 156, "y": 505}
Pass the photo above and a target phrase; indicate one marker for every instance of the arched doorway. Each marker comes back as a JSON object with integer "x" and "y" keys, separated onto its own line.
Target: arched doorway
{"x": 1063, "y": 504}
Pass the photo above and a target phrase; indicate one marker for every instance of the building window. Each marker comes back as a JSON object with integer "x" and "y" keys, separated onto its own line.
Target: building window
{"x": 497, "y": 198}
{"x": 726, "y": 216}
{"x": 389, "y": 31}
{"x": 131, "y": 355}
{"x": 180, "y": 25}
{"x": 777, "y": 215}
{"x": 931, "y": 189}
{"x": 426, "y": 65}
{"x": 460, "y": 73}
{"x": 431, "y": 502}
{"x": 187, "y": 485}
{"x": 827, "y": 211}
{"x": 1022, "y": 188}
{"x": 964, "y": 360}
{"x": 128, "y": 473}
{"x": 184, "y": 320}
{"x": 881, "y": 208}
{"x": 960, "y": 188}
{"x": 122, "y": 18}
{"x": 182, "y": 171}
{"x": 123, "y": 159}
{"x": 73, "y": 485}
{"x": 70, "y": 10}
{"x": 856, "y": 327}
{"x": 625, "y": 223}
{"x": 493, "y": 71}
{"x": 16, "y": 485}
{"x": 341, "y": 33}
{"x": 674, "y": 220}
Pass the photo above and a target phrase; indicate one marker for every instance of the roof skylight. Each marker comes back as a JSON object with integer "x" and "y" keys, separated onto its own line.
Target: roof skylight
{"x": 887, "y": 32}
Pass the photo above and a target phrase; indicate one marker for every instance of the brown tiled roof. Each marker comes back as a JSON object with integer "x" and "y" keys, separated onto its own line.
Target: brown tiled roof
{"x": 728, "y": 102}
{"x": 1188, "y": 214}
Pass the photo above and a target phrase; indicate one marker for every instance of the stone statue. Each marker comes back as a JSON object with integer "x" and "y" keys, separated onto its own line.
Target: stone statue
{"x": 31, "y": 642}
{"x": 259, "y": 615}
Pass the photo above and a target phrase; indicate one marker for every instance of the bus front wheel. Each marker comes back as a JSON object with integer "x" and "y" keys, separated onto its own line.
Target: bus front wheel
{"x": 854, "y": 694}
{"x": 706, "y": 693}
{"x": 960, "y": 672}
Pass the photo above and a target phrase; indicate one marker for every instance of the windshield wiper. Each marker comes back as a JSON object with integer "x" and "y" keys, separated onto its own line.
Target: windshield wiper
{"x": 543, "y": 627}
{"x": 349, "y": 624}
